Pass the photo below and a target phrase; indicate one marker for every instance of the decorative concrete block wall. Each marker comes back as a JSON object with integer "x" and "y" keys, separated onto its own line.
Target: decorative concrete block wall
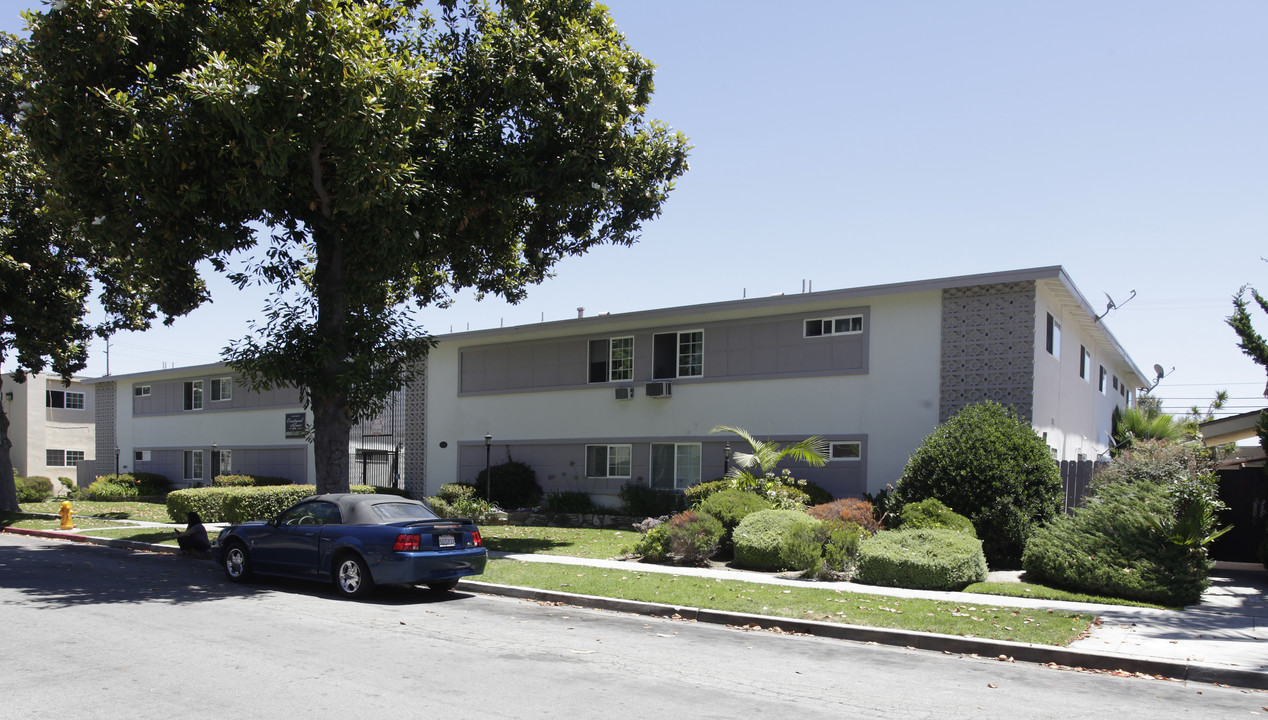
{"x": 988, "y": 347}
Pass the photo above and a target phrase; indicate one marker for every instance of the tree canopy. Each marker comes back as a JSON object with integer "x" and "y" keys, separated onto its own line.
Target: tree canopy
{"x": 365, "y": 157}
{"x": 1249, "y": 339}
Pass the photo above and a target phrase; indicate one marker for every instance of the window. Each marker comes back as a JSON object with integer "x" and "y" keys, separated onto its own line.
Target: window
{"x": 193, "y": 464}
{"x": 221, "y": 389}
{"x": 1115, "y": 382}
{"x": 62, "y": 458}
{"x": 194, "y": 395}
{"x": 611, "y": 359}
{"x": 222, "y": 462}
{"x": 64, "y": 399}
{"x": 141, "y": 456}
{"x": 677, "y": 354}
{"x": 74, "y": 456}
{"x": 141, "y": 391}
{"x": 608, "y": 461}
{"x": 1085, "y": 362}
{"x": 845, "y": 325}
{"x": 675, "y": 466}
{"x": 1100, "y": 383}
{"x": 1053, "y": 343}
{"x": 851, "y": 450}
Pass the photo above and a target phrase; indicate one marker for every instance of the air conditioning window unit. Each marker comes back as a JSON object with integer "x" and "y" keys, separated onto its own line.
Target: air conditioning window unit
{"x": 659, "y": 389}
{"x": 625, "y": 393}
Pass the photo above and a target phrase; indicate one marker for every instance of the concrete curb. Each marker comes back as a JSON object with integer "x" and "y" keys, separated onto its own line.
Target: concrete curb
{"x": 934, "y": 642}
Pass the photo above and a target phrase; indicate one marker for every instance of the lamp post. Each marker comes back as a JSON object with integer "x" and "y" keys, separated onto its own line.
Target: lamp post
{"x": 488, "y": 476}
{"x": 215, "y": 459}
{"x": 726, "y": 459}
{"x": 116, "y": 461}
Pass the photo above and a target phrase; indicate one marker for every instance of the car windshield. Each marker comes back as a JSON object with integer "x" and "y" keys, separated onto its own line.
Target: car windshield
{"x": 392, "y": 512}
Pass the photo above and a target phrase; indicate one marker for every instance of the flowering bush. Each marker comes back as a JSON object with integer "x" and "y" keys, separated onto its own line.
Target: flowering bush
{"x": 690, "y": 538}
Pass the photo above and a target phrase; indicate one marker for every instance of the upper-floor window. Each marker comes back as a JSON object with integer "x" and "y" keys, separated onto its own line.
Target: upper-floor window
{"x": 845, "y": 325}
{"x": 1100, "y": 383}
{"x": 1085, "y": 362}
{"x": 845, "y": 450}
{"x": 608, "y": 461}
{"x": 612, "y": 359}
{"x": 221, "y": 389}
{"x": 65, "y": 399}
{"x": 1053, "y": 339}
{"x": 141, "y": 391}
{"x": 677, "y": 354}
{"x": 194, "y": 395}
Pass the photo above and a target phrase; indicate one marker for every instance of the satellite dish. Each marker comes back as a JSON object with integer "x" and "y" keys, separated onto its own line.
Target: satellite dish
{"x": 1158, "y": 369}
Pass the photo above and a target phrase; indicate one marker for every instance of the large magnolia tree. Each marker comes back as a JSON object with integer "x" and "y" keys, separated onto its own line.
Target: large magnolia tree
{"x": 365, "y": 156}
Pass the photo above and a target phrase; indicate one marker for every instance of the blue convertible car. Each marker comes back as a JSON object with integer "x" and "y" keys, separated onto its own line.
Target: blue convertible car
{"x": 356, "y": 541}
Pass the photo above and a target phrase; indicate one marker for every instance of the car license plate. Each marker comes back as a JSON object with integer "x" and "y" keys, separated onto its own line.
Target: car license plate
{"x": 446, "y": 541}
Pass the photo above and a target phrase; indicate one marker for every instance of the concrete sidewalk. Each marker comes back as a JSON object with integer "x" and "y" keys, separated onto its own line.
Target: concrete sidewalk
{"x": 1220, "y": 640}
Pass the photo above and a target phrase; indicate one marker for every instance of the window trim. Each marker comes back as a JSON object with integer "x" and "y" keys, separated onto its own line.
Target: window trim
{"x": 610, "y": 361}
{"x": 608, "y": 461}
{"x": 678, "y": 354}
{"x": 856, "y": 443}
{"x": 192, "y": 467}
{"x": 221, "y": 389}
{"x": 1053, "y": 337}
{"x": 65, "y": 396}
{"x": 192, "y": 391}
{"x": 140, "y": 391}
{"x": 832, "y": 321}
{"x": 679, "y": 484}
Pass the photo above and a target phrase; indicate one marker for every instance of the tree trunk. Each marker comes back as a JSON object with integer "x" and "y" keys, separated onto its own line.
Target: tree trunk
{"x": 8, "y": 486}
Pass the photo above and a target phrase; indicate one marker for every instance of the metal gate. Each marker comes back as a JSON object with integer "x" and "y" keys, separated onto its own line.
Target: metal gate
{"x": 378, "y": 446}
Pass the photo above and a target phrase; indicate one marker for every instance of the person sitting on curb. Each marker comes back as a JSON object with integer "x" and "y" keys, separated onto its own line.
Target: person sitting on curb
{"x": 193, "y": 540}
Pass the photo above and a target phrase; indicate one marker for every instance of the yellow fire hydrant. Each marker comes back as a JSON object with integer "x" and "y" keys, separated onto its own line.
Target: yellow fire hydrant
{"x": 65, "y": 513}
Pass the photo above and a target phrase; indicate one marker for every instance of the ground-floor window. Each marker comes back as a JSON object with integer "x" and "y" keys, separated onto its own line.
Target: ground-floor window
{"x": 608, "y": 461}
{"x": 675, "y": 465}
{"x": 193, "y": 464}
{"x": 62, "y": 458}
{"x": 845, "y": 450}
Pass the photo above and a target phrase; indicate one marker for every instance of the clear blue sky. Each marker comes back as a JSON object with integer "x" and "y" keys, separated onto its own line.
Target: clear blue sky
{"x": 856, "y": 143}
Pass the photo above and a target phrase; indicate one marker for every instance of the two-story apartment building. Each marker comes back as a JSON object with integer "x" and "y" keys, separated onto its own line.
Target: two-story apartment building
{"x": 595, "y": 402}
{"x": 50, "y": 425}
{"x": 193, "y": 423}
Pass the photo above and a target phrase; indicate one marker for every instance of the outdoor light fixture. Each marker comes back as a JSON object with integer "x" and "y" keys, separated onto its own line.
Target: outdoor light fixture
{"x": 726, "y": 462}
{"x": 116, "y": 461}
{"x": 488, "y": 476}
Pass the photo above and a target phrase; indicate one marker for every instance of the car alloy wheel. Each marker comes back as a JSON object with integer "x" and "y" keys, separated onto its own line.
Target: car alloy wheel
{"x": 237, "y": 563}
{"x": 352, "y": 577}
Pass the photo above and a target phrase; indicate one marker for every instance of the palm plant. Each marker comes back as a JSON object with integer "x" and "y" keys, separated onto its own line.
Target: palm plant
{"x": 765, "y": 456}
{"x": 1134, "y": 424}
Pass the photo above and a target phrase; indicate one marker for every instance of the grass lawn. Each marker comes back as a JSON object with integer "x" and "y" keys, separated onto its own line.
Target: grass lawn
{"x": 156, "y": 536}
{"x": 40, "y": 522}
{"x": 151, "y": 511}
{"x": 579, "y": 542}
{"x": 1029, "y": 626}
{"x": 1030, "y": 590}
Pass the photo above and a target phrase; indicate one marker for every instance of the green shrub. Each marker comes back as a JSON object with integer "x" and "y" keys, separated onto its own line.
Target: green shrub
{"x": 33, "y": 489}
{"x": 1122, "y": 540}
{"x": 464, "y": 505}
{"x": 233, "y": 481}
{"x": 827, "y": 550}
{"x": 239, "y": 504}
{"x": 841, "y": 548}
{"x": 514, "y": 485}
{"x": 66, "y": 483}
{"x": 690, "y": 538}
{"x": 732, "y": 506}
{"x": 639, "y": 500}
{"x": 815, "y": 494}
{"x": 568, "y": 501}
{"x": 110, "y": 488}
{"x": 758, "y": 538}
{"x": 850, "y": 510}
{"x": 885, "y": 506}
{"x": 930, "y": 559}
{"x": 990, "y": 466}
{"x": 452, "y": 492}
{"x": 699, "y": 492}
{"x": 931, "y": 513}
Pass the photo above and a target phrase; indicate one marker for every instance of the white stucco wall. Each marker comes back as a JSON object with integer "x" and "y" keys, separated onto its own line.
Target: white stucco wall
{"x": 895, "y": 404}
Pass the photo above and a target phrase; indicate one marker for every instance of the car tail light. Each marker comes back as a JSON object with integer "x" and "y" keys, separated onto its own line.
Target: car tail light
{"x": 476, "y": 539}
{"x": 407, "y": 543}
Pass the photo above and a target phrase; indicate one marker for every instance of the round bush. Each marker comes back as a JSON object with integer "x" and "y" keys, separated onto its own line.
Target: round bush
{"x": 931, "y": 513}
{"x": 33, "y": 489}
{"x": 732, "y": 506}
{"x": 759, "y": 537}
{"x": 990, "y": 466}
{"x": 690, "y": 538}
{"x": 932, "y": 559}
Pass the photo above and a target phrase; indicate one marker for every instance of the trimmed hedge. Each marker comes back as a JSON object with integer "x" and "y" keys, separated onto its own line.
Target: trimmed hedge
{"x": 931, "y": 513}
{"x": 240, "y": 504}
{"x": 930, "y": 559}
{"x": 33, "y": 489}
{"x": 759, "y": 538}
{"x": 248, "y": 481}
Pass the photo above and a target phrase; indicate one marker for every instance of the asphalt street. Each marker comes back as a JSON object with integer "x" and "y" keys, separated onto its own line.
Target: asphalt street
{"x": 97, "y": 632}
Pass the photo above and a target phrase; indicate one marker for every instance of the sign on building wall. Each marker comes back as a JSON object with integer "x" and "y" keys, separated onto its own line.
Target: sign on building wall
{"x": 295, "y": 425}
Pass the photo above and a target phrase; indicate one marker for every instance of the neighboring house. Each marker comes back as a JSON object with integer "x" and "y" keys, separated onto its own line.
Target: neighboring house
{"x": 191, "y": 424}
{"x": 50, "y": 425}
{"x": 593, "y": 403}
